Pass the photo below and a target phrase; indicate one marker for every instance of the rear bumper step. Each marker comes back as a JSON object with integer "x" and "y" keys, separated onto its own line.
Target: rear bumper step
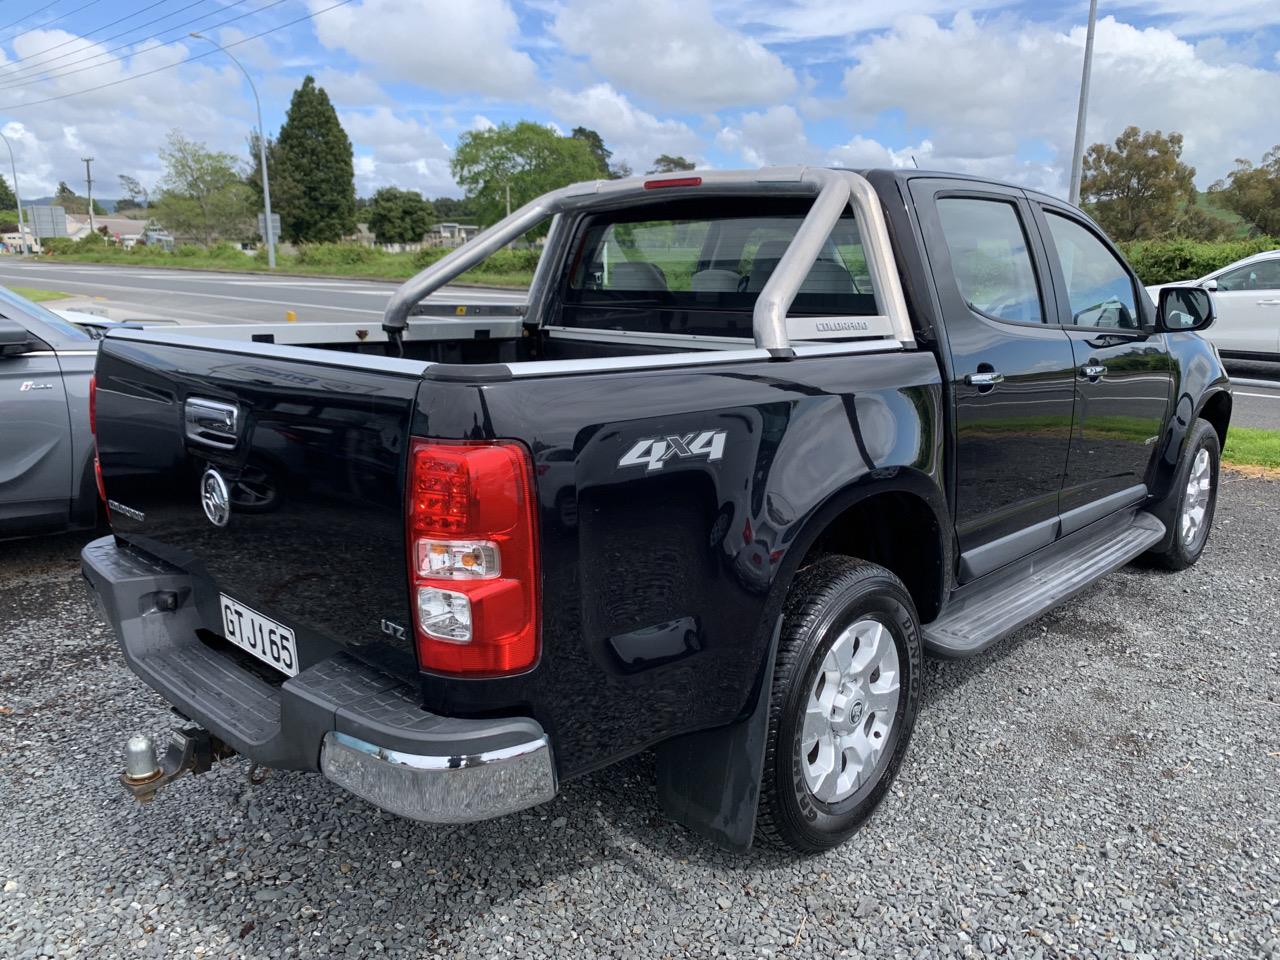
{"x": 361, "y": 727}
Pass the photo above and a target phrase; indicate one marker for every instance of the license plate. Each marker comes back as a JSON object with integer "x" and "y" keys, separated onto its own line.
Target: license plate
{"x": 267, "y": 640}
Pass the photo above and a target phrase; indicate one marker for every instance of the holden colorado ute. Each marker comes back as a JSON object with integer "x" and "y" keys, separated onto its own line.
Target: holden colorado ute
{"x": 756, "y": 444}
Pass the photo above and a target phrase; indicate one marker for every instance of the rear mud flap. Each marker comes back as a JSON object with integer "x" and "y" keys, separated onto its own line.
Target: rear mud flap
{"x": 709, "y": 781}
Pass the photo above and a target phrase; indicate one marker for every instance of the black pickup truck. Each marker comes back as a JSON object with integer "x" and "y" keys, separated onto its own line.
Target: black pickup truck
{"x": 757, "y": 443}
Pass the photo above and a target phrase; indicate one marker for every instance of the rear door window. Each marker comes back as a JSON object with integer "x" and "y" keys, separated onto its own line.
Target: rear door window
{"x": 697, "y": 267}
{"x": 990, "y": 259}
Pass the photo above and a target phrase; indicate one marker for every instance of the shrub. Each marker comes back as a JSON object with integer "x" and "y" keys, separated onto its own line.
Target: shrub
{"x": 58, "y": 245}
{"x": 336, "y": 255}
{"x": 1168, "y": 261}
{"x": 187, "y": 250}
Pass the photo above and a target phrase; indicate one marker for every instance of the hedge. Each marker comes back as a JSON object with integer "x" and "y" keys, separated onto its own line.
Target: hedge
{"x": 1168, "y": 261}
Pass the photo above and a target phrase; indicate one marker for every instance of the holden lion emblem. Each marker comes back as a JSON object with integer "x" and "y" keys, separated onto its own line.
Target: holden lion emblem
{"x": 215, "y": 498}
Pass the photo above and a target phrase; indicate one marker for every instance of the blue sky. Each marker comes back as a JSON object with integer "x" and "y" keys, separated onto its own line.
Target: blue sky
{"x": 986, "y": 86}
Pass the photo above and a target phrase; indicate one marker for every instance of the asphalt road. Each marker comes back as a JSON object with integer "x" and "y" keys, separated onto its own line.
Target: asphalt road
{"x": 141, "y": 293}
{"x": 1103, "y": 784}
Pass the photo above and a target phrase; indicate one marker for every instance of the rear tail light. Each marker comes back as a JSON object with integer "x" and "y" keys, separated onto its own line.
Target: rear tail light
{"x": 93, "y": 429}
{"x": 473, "y": 563}
{"x": 673, "y": 182}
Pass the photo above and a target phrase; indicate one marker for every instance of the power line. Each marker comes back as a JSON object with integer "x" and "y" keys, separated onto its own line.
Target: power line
{"x": 36, "y": 13}
{"x": 34, "y": 74}
{"x": 170, "y": 66}
{"x": 78, "y": 38}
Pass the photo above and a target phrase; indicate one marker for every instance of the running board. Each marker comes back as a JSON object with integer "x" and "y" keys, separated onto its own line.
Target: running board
{"x": 978, "y": 617}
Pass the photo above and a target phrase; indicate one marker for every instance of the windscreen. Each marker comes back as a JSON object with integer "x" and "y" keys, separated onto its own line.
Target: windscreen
{"x": 697, "y": 267}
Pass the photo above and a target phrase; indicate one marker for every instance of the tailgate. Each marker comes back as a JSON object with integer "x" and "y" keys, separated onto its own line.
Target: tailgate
{"x": 311, "y": 455}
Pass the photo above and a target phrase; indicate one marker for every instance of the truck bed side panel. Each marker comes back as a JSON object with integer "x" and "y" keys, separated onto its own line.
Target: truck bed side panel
{"x": 661, "y": 566}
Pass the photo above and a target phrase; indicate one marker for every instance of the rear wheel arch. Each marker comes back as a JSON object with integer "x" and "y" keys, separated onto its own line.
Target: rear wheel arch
{"x": 898, "y": 522}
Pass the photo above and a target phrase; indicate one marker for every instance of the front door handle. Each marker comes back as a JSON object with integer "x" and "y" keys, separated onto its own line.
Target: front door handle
{"x": 1269, "y": 303}
{"x": 1093, "y": 371}
{"x": 985, "y": 378}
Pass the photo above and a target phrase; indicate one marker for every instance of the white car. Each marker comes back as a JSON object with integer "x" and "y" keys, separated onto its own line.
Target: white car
{"x": 1246, "y": 299}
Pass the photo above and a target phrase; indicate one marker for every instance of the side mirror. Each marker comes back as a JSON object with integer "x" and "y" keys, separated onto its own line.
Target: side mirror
{"x": 1184, "y": 308}
{"x": 1209, "y": 285}
{"x": 15, "y": 339}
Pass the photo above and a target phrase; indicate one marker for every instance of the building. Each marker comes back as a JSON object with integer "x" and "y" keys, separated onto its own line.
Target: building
{"x": 122, "y": 230}
{"x": 451, "y": 234}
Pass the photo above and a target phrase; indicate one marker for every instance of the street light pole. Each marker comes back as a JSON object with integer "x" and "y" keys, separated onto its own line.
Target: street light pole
{"x": 1077, "y": 156}
{"x": 268, "y": 229}
{"x": 17, "y": 195}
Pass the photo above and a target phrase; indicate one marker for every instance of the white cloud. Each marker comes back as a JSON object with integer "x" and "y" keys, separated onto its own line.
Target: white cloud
{"x": 774, "y": 137}
{"x": 633, "y": 135}
{"x": 1198, "y": 17}
{"x": 673, "y": 53}
{"x": 446, "y": 45}
{"x": 980, "y": 118}
{"x": 397, "y": 151}
{"x": 799, "y": 20}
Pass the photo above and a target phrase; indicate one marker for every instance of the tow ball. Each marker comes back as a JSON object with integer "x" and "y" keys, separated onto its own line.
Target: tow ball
{"x": 192, "y": 750}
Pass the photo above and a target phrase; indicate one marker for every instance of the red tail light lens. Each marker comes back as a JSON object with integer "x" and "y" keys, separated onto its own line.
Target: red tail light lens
{"x": 673, "y": 182}
{"x": 93, "y": 404}
{"x": 473, "y": 562}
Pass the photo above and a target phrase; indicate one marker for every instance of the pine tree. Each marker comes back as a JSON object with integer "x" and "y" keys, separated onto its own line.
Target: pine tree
{"x": 316, "y": 172}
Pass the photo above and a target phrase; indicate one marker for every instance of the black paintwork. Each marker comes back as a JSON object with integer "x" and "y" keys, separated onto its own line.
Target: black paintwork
{"x": 660, "y": 588}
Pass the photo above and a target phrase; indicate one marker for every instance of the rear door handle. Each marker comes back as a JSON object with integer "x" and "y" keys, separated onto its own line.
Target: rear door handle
{"x": 1269, "y": 303}
{"x": 984, "y": 379}
{"x": 1093, "y": 371}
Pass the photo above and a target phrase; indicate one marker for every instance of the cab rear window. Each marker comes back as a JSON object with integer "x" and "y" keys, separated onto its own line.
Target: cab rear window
{"x": 698, "y": 267}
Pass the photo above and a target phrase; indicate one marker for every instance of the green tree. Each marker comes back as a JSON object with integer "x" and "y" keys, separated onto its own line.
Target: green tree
{"x": 526, "y": 158}
{"x": 7, "y": 200}
{"x": 135, "y": 193}
{"x": 72, "y": 202}
{"x": 399, "y": 216}
{"x": 454, "y": 210}
{"x": 604, "y": 156}
{"x": 669, "y": 164}
{"x": 312, "y": 170}
{"x": 1254, "y": 192}
{"x": 1139, "y": 188}
{"x": 202, "y": 195}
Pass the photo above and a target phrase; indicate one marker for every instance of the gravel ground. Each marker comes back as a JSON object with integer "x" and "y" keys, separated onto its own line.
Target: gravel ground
{"x": 1106, "y": 783}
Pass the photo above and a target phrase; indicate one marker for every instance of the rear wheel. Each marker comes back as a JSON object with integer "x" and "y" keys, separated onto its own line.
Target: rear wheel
{"x": 1188, "y": 513}
{"x": 845, "y": 693}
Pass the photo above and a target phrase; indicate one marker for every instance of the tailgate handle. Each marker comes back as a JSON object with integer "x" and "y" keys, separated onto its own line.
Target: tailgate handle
{"x": 212, "y": 423}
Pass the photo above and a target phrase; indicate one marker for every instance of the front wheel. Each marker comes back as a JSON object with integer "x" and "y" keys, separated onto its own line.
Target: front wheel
{"x": 846, "y": 689}
{"x": 1190, "y": 508}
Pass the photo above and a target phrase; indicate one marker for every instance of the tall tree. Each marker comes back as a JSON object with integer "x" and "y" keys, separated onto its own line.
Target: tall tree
{"x": 669, "y": 164}
{"x": 454, "y": 209}
{"x": 135, "y": 193}
{"x": 526, "y": 158}
{"x": 72, "y": 202}
{"x": 595, "y": 143}
{"x": 202, "y": 194}
{"x": 399, "y": 216}
{"x": 7, "y": 200}
{"x": 1254, "y": 192}
{"x": 315, "y": 171}
{"x": 1139, "y": 187}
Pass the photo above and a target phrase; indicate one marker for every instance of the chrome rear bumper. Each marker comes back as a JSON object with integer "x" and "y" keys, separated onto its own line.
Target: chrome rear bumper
{"x": 441, "y": 789}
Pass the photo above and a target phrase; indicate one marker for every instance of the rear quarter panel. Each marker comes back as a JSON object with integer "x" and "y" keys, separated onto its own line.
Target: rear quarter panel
{"x": 661, "y": 584}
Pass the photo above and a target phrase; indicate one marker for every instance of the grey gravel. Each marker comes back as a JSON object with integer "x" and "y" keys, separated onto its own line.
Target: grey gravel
{"x": 1104, "y": 784}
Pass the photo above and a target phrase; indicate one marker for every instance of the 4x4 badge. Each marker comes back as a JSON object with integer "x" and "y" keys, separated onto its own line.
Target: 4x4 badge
{"x": 654, "y": 452}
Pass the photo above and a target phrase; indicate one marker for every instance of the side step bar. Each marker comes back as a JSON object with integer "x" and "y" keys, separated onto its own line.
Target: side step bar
{"x": 997, "y": 605}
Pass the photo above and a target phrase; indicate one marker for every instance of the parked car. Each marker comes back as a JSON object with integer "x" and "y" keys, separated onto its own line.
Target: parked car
{"x": 757, "y": 443}
{"x": 1246, "y": 300}
{"x": 46, "y": 451}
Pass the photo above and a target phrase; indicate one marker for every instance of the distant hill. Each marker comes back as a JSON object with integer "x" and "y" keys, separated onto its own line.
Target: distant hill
{"x": 1234, "y": 226}
{"x": 108, "y": 205}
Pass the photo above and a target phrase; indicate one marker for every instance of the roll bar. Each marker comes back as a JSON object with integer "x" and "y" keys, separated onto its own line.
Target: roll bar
{"x": 834, "y": 192}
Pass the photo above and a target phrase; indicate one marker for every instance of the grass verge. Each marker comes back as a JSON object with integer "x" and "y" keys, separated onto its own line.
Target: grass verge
{"x": 1252, "y": 447}
{"x": 506, "y": 268}
{"x": 31, "y": 293}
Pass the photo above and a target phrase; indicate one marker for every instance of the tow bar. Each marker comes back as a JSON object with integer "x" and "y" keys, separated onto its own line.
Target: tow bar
{"x": 192, "y": 750}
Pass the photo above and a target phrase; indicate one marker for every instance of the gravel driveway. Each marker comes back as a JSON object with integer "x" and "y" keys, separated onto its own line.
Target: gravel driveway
{"x": 1106, "y": 783}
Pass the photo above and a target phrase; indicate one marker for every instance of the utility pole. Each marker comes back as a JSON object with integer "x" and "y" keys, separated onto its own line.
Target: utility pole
{"x": 508, "y": 198}
{"x": 268, "y": 228}
{"x": 17, "y": 195}
{"x": 1077, "y": 155}
{"x": 88, "y": 182}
